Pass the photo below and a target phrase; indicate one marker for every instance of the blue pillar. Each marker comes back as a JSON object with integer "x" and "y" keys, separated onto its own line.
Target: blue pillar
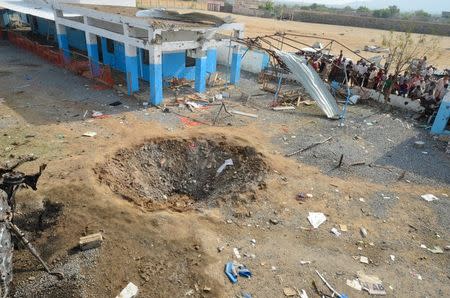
{"x": 211, "y": 62}
{"x": 63, "y": 42}
{"x": 236, "y": 67}
{"x": 132, "y": 69}
{"x": 442, "y": 119}
{"x": 92, "y": 49}
{"x": 156, "y": 90}
{"x": 200, "y": 74}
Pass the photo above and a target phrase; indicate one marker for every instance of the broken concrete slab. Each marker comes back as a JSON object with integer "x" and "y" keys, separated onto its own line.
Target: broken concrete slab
{"x": 130, "y": 291}
{"x": 91, "y": 241}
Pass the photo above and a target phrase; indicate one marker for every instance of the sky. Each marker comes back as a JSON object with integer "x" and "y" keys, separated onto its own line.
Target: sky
{"x": 404, "y": 5}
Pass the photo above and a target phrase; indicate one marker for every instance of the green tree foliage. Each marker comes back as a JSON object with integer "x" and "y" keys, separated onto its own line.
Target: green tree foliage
{"x": 363, "y": 9}
{"x": 269, "y": 6}
{"x": 391, "y": 11}
{"x": 421, "y": 14}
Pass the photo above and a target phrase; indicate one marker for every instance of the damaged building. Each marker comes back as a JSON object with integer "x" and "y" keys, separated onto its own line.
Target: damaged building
{"x": 144, "y": 47}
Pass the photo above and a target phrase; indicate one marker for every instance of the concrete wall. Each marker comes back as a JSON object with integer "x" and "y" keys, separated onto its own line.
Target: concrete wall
{"x": 355, "y": 21}
{"x": 174, "y": 65}
{"x": 369, "y": 22}
{"x": 77, "y": 39}
{"x": 253, "y": 61}
{"x": 395, "y": 100}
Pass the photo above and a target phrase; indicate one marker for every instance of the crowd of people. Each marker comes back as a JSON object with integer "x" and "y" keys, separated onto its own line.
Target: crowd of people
{"x": 419, "y": 82}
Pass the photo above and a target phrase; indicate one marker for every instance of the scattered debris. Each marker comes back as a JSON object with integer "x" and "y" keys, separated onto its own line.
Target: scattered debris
{"x": 364, "y": 260}
{"x": 130, "y": 291}
{"x": 316, "y": 219}
{"x": 335, "y": 232}
{"x": 189, "y": 121}
{"x": 283, "y": 108}
{"x": 354, "y": 283}
{"x": 343, "y": 228}
{"x": 244, "y": 272}
{"x": 274, "y": 221}
{"x": 392, "y": 258}
{"x": 91, "y": 241}
{"x": 328, "y": 285}
{"x": 305, "y": 262}
{"x": 230, "y": 272}
{"x": 90, "y": 134}
{"x": 307, "y": 148}
{"x": 375, "y": 49}
{"x": 436, "y": 250}
{"x": 429, "y": 197}
{"x": 236, "y": 253}
{"x": 99, "y": 115}
{"x": 371, "y": 284}
{"x": 116, "y": 103}
{"x": 302, "y": 196}
{"x": 289, "y": 292}
{"x": 243, "y": 114}
{"x": 228, "y": 162}
{"x": 363, "y": 232}
{"x": 303, "y": 294}
{"x": 419, "y": 144}
{"x": 416, "y": 275}
{"x": 193, "y": 105}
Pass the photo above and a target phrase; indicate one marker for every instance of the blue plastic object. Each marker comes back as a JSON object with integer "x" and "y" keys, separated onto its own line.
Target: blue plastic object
{"x": 244, "y": 272}
{"x": 230, "y": 272}
{"x": 344, "y": 296}
{"x": 246, "y": 295}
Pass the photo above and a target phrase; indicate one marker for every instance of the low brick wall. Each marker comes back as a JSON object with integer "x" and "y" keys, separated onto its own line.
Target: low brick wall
{"x": 376, "y": 23}
{"x": 364, "y": 22}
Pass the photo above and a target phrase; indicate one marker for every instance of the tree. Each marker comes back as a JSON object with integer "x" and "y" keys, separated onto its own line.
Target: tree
{"x": 347, "y": 8}
{"x": 381, "y": 13}
{"x": 363, "y": 10}
{"x": 393, "y": 10}
{"x": 403, "y": 49}
{"x": 269, "y": 6}
{"x": 421, "y": 14}
{"x": 389, "y": 12}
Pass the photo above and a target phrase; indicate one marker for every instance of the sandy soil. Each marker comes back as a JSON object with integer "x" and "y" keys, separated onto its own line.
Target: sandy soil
{"x": 169, "y": 253}
{"x": 353, "y": 37}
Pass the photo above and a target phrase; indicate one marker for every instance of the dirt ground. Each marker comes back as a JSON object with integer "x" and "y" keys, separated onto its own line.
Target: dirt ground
{"x": 178, "y": 252}
{"x": 353, "y": 37}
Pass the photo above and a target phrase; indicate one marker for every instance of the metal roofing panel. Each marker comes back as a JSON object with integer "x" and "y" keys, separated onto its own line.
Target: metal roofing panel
{"x": 308, "y": 77}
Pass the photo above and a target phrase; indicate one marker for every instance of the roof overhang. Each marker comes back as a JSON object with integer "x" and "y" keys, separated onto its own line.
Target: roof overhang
{"x": 35, "y": 8}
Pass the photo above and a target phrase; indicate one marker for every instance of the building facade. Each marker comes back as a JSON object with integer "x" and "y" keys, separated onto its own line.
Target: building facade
{"x": 142, "y": 49}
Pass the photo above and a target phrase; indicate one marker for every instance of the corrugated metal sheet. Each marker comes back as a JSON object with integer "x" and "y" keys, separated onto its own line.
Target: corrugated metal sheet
{"x": 308, "y": 77}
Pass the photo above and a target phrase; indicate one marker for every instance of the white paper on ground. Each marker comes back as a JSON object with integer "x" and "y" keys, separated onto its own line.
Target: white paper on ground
{"x": 316, "y": 219}
{"x": 429, "y": 197}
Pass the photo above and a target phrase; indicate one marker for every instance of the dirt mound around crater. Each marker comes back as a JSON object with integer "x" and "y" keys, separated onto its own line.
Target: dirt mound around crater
{"x": 163, "y": 171}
